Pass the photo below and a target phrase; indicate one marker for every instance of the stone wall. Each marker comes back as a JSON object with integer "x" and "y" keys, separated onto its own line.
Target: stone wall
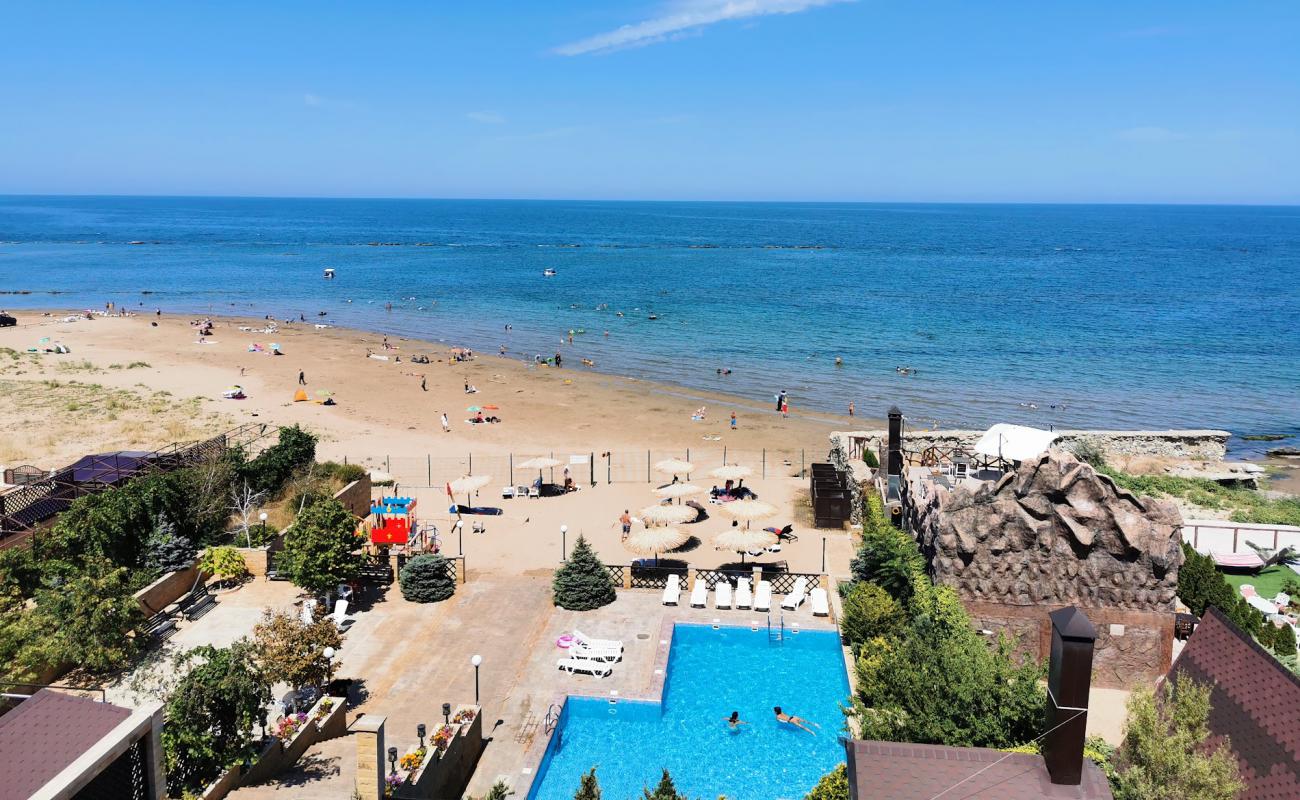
{"x": 1191, "y": 445}
{"x": 1054, "y": 534}
{"x": 861, "y": 477}
{"x": 355, "y": 497}
{"x": 277, "y": 755}
{"x": 167, "y": 589}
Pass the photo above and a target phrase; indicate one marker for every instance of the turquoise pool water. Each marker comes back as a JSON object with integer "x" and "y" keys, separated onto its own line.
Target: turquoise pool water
{"x": 710, "y": 674}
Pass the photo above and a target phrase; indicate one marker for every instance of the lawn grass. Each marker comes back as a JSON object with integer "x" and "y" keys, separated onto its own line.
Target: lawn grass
{"x": 1267, "y": 583}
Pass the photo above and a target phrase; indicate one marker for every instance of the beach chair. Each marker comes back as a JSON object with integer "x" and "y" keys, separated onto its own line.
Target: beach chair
{"x": 722, "y": 594}
{"x": 507, "y": 492}
{"x": 610, "y": 654}
{"x": 586, "y": 641}
{"x": 340, "y": 615}
{"x": 673, "y": 591}
{"x": 533, "y": 491}
{"x": 700, "y": 594}
{"x": 744, "y": 596}
{"x": 598, "y": 668}
{"x": 763, "y": 596}
{"x": 821, "y": 604}
{"x": 795, "y": 598}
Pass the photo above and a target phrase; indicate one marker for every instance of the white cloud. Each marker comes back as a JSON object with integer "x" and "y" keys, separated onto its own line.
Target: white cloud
{"x": 683, "y": 18}
{"x": 1150, "y": 134}
{"x": 486, "y": 117}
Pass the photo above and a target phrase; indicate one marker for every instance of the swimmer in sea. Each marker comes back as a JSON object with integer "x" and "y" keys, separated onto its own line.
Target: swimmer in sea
{"x": 734, "y": 721}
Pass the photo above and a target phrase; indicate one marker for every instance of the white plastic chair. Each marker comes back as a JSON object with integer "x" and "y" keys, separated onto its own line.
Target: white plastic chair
{"x": 796, "y": 597}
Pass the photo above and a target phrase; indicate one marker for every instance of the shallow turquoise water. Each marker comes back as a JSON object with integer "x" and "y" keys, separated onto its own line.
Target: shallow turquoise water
{"x": 710, "y": 674}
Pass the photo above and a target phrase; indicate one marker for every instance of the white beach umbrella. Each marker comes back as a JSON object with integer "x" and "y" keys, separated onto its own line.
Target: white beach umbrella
{"x": 678, "y": 490}
{"x": 744, "y": 540}
{"x": 747, "y": 510}
{"x": 731, "y": 472}
{"x": 468, "y": 485}
{"x": 674, "y": 466}
{"x": 540, "y": 463}
{"x": 653, "y": 541}
{"x": 668, "y": 515}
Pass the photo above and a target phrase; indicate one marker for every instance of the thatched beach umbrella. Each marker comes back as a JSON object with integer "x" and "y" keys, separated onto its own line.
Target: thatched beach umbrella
{"x": 744, "y": 540}
{"x": 678, "y": 490}
{"x": 731, "y": 472}
{"x": 668, "y": 515}
{"x": 540, "y": 463}
{"x": 674, "y": 466}
{"x": 653, "y": 541}
{"x": 468, "y": 485}
{"x": 747, "y": 510}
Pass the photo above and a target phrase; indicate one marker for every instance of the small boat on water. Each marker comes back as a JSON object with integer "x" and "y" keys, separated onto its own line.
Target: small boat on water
{"x": 549, "y": 273}
{"x": 329, "y": 274}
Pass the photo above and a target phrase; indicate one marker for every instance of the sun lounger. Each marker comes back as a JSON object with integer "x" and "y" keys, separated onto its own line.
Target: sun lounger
{"x": 673, "y": 591}
{"x": 597, "y": 668}
{"x": 744, "y": 599}
{"x": 795, "y": 599}
{"x": 507, "y": 492}
{"x": 700, "y": 594}
{"x": 602, "y": 653}
{"x": 533, "y": 491}
{"x": 722, "y": 594}
{"x": 763, "y": 596}
{"x": 586, "y": 641}
{"x": 821, "y": 604}
{"x": 340, "y": 615}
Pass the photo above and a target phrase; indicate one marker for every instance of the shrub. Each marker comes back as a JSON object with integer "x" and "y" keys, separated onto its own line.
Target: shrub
{"x": 1200, "y": 586}
{"x": 275, "y": 465}
{"x": 869, "y": 612}
{"x": 89, "y": 621}
{"x": 666, "y": 790}
{"x": 346, "y": 473}
{"x": 582, "y": 583}
{"x": 887, "y": 556}
{"x": 319, "y": 548}
{"x": 1089, "y": 453}
{"x": 427, "y": 578}
{"x": 834, "y": 785}
{"x": 223, "y": 563}
{"x": 292, "y": 651}
{"x": 588, "y": 787}
{"x": 167, "y": 552}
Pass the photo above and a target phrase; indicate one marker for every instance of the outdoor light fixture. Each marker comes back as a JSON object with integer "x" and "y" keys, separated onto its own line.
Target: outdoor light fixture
{"x": 476, "y": 661}
{"x": 392, "y": 760}
{"x": 564, "y": 550}
{"x": 262, "y": 517}
{"x": 420, "y": 731}
{"x": 329, "y": 654}
{"x": 446, "y": 713}
{"x": 460, "y": 537}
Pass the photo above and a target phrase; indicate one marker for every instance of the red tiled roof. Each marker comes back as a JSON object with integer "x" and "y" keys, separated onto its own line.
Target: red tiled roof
{"x": 1255, "y": 702}
{"x": 45, "y": 734}
{"x": 897, "y": 771}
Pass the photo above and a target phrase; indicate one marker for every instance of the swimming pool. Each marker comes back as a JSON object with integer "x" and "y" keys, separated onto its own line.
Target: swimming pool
{"x": 710, "y": 674}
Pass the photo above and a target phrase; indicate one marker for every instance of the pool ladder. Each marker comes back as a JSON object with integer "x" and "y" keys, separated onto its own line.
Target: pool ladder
{"x": 776, "y": 634}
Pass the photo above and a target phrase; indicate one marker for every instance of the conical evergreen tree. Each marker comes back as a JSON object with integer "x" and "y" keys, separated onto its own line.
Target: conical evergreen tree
{"x": 666, "y": 790}
{"x": 427, "y": 579}
{"x": 589, "y": 787}
{"x": 167, "y": 551}
{"x": 582, "y": 583}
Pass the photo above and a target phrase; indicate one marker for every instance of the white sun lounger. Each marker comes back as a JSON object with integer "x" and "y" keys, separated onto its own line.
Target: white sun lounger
{"x": 673, "y": 591}
{"x": 340, "y": 615}
{"x": 586, "y": 641}
{"x": 763, "y": 596}
{"x": 821, "y": 604}
{"x": 722, "y": 594}
{"x": 595, "y": 653}
{"x": 700, "y": 594}
{"x": 796, "y": 598}
{"x": 598, "y": 668}
{"x": 744, "y": 598}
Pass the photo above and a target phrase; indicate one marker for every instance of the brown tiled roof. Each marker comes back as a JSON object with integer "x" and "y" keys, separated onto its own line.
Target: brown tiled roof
{"x": 45, "y": 734}
{"x": 1255, "y": 702}
{"x": 894, "y": 771}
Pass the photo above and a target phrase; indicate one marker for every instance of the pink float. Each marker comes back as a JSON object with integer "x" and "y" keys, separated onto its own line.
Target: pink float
{"x": 565, "y": 641}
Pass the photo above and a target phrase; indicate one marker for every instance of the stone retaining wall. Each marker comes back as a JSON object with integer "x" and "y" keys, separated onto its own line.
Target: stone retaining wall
{"x": 1192, "y": 445}
{"x": 167, "y": 589}
{"x": 277, "y": 755}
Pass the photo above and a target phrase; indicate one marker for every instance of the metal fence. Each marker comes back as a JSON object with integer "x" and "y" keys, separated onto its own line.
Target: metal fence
{"x": 656, "y": 577}
{"x": 587, "y": 466}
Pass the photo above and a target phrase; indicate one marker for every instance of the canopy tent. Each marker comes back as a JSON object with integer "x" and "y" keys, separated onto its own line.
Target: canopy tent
{"x": 1014, "y": 442}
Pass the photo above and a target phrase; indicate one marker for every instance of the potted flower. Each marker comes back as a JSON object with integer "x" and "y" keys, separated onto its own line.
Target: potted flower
{"x": 391, "y": 782}
{"x": 464, "y": 715}
{"x": 289, "y": 725}
{"x": 323, "y": 708}
{"x": 442, "y": 738}
{"x": 412, "y": 760}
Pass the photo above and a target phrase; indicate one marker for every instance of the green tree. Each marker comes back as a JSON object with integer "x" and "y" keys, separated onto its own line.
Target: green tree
{"x": 427, "y": 578}
{"x": 320, "y": 547}
{"x": 292, "y": 651}
{"x": 499, "y": 791}
{"x": 1200, "y": 585}
{"x": 941, "y": 682}
{"x": 166, "y": 551}
{"x": 887, "y": 556}
{"x": 1165, "y": 755}
{"x": 211, "y": 714}
{"x": 588, "y": 787}
{"x": 869, "y": 612}
{"x": 666, "y": 790}
{"x": 582, "y": 583}
{"x": 834, "y": 785}
{"x": 275, "y": 465}
{"x": 91, "y": 620}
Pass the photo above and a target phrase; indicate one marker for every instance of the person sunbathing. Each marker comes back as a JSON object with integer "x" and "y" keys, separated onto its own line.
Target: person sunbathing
{"x": 791, "y": 719}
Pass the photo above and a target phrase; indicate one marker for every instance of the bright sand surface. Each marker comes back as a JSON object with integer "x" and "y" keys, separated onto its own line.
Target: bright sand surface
{"x": 383, "y": 419}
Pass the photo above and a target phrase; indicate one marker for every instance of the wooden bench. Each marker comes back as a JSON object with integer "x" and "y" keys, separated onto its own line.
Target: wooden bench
{"x": 197, "y": 603}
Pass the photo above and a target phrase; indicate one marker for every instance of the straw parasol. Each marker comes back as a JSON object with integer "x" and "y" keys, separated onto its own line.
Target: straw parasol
{"x": 674, "y": 466}
{"x": 747, "y": 510}
{"x": 468, "y": 484}
{"x": 668, "y": 515}
{"x": 744, "y": 540}
{"x": 678, "y": 490}
{"x": 731, "y": 472}
{"x": 540, "y": 463}
{"x": 653, "y": 541}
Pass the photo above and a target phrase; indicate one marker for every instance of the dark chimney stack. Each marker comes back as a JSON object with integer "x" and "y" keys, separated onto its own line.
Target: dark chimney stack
{"x": 1068, "y": 681}
{"x": 894, "y": 461}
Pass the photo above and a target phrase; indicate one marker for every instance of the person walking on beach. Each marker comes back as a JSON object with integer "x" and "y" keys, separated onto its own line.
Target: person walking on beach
{"x": 785, "y": 408}
{"x": 302, "y": 378}
{"x": 424, "y": 384}
{"x": 446, "y": 425}
{"x": 733, "y": 420}
{"x": 780, "y": 400}
{"x": 626, "y": 522}
{"x": 850, "y": 408}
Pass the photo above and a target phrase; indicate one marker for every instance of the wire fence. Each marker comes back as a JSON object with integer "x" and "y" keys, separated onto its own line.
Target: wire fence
{"x": 590, "y": 467}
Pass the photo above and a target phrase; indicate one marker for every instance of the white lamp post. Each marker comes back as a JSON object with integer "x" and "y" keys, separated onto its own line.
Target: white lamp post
{"x": 476, "y": 661}
{"x": 564, "y": 550}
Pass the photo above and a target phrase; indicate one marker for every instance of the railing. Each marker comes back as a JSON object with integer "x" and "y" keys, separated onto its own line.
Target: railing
{"x": 552, "y": 718}
{"x": 616, "y": 573}
{"x": 783, "y": 582}
{"x": 654, "y": 577}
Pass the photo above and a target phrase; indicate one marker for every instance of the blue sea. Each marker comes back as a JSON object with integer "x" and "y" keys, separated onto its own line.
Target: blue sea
{"x": 1073, "y": 316}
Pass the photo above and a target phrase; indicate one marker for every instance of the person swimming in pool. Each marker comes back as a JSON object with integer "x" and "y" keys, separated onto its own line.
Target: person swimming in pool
{"x": 791, "y": 719}
{"x": 734, "y": 721}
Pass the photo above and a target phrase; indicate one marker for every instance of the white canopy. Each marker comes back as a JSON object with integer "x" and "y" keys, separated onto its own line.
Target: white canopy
{"x": 1014, "y": 442}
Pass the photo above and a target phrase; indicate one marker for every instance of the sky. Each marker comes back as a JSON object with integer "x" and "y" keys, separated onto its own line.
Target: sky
{"x": 794, "y": 100}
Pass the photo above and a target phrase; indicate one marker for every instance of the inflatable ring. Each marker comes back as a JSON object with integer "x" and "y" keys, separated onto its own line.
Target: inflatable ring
{"x": 565, "y": 641}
